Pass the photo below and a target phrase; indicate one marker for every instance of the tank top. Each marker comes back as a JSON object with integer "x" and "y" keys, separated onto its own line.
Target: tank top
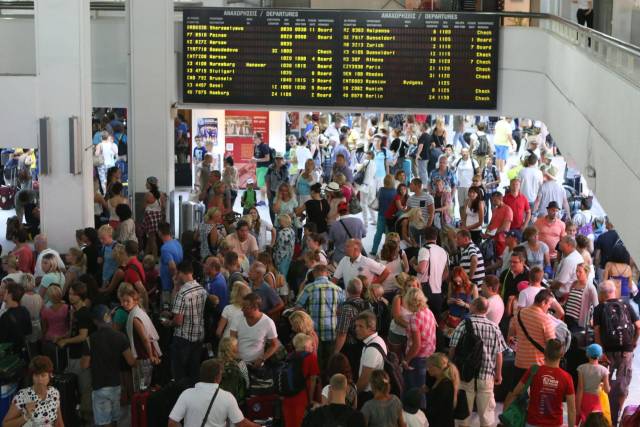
{"x": 155, "y": 206}
{"x": 574, "y": 303}
{"x": 625, "y": 290}
{"x": 397, "y": 329}
{"x": 472, "y": 218}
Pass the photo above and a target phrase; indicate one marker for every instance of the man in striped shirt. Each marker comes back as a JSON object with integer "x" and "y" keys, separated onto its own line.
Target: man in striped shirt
{"x": 533, "y": 328}
{"x": 470, "y": 257}
{"x": 321, "y": 299}
{"x": 421, "y": 199}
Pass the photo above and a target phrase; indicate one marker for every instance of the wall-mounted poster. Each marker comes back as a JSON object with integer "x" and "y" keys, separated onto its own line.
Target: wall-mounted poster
{"x": 240, "y": 126}
{"x": 208, "y": 131}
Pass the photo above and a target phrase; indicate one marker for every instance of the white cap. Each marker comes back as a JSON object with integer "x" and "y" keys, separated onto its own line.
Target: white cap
{"x": 250, "y": 181}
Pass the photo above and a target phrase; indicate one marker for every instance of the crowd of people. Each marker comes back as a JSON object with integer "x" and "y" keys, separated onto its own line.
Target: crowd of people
{"x": 482, "y": 281}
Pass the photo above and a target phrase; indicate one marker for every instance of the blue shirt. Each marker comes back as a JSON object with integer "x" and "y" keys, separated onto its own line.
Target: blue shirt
{"x": 97, "y": 137}
{"x": 218, "y": 286}
{"x": 199, "y": 152}
{"x": 341, "y": 149}
{"x": 109, "y": 265}
{"x": 170, "y": 251}
{"x": 269, "y": 297}
{"x": 385, "y": 199}
{"x": 381, "y": 161}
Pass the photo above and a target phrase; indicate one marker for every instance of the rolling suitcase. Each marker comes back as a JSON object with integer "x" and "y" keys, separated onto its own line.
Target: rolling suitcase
{"x": 67, "y": 385}
{"x": 263, "y": 407}
{"x": 139, "y": 408}
{"x": 508, "y": 364}
{"x": 191, "y": 214}
{"x": 161, "y": 402}
{"x": 7, "y": 197}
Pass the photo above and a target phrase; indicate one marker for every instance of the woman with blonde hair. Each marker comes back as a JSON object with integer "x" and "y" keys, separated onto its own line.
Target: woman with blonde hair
{"x": 238, "y": 291}
{"x": 390, "y": 257}
{"x": 211, "y": 232}
{"x": 10, "y": 264}
{"x": 77, "y": 264}
{"x": 285, "y": 201}
{"x": 53, "y": 275}
{"x": 421, "y": 338}
{"x": 285, "y": 242}
{"x": 407, "y": 225}
{"x": 33, "y": 302}
{"x": 304, "y": 181}
{"x": 442, "y": 396}
{"x": 54, "y": 320}
{"x": 302, "y": 323}
{"x": 400, "y": 314}
{"x": 235, "y": 377}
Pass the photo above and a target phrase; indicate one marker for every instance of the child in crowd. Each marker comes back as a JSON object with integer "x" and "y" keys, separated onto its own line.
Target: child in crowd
{"x": 592, "y": 378}
{"x": 249, "y": 197}
{"x": 411, "y": 412}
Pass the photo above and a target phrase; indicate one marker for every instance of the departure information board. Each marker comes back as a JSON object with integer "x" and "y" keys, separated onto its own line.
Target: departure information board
{"x": 394, "y": 59}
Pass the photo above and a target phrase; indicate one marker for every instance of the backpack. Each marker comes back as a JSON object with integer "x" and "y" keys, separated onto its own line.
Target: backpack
{"x": 233, "y": 382}
{"x": 474, "y": 163}
{"x": 488, "y": 250}
{"x": 616, "y": 330}
{"x": 483, "y": 146}
{"x": 392, "y": 368}
{"x": 289, "y": 379}
{"x": 469, "y": 353}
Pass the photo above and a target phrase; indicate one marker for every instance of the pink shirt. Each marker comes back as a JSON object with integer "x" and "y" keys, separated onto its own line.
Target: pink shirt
{"x": 57, "y": 321}
{"x": 424, "y": 322}
{"x": 550, "y": 233}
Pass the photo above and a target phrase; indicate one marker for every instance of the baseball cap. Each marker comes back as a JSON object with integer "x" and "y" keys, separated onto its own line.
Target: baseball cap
{"x": 594, "y": 351}
{"x": 553, "y": 205}
{"x": 250, "y": 181}
{"x": 343, "y": 207}
{"x": 522, "y": 285}
{"x": 279, "y": 155}
{"x": 153, "y": 180}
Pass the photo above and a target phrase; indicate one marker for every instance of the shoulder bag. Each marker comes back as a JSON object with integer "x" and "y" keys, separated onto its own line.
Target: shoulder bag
{"x": 206, "y": 415}
{"x": 516, "y": 413}
{"x": 526, "y": 333}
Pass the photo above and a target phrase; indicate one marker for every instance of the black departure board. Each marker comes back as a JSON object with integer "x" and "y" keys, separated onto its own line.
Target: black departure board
{"x": 378, "y": 59}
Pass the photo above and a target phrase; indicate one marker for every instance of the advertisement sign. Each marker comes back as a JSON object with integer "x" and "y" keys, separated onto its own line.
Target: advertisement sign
{"x": 240, "y": 126}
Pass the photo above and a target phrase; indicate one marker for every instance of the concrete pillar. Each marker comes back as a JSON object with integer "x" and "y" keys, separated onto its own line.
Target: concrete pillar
{"x": 63, "y": 58}
{"x": 153, "y": 92}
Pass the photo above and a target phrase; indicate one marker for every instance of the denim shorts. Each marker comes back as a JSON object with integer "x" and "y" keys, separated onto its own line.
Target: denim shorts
{"x": 502, "y": 152}
{"x": 106, "y": 405}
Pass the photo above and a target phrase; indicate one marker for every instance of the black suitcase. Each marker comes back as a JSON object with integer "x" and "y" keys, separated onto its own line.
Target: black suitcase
{"x": 161, "y": 402}
{"x": 508, "y": 366}
{"x": 67, "y": 386}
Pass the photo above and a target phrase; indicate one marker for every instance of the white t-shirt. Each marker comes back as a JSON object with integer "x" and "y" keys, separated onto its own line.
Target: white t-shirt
{"x": 395, "y": 268}
{"x": 252, "y": 339}
{"x": 584, "y": 4}
{"x": 371, "y": 357}
{"x": 465, "y": 169}
{"x": 531, "y": 179}
{"x": 264, "y": 235}
{"x": 193, "y": 403}
{"x": 348, "y": 270}
{"x": 566, "y": 273}
{"x": 496, "y": 309}
{"x": 230, "y": 312}
{"x": 302, "y": 155}
{"x": 438, "y": 258}
{"x": 528, "y": 295}
{"x": 419, "y": 419}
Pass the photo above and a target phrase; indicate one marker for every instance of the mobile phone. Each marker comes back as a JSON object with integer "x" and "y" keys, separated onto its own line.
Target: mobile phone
{"x": 423, "y": 203}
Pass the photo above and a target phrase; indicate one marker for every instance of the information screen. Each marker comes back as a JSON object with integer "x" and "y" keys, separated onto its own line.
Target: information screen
{"x": 345, "y": 58}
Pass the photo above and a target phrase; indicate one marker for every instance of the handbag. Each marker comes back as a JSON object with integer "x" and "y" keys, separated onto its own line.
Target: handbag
{"x": 461, "y": 411}
{"x": 359, "y": 178}
{"x": 354, "y": 205}
{"x": 206, "y": 415}
{"x": 375, "y": 204}
{"x": 604, "y": 405}
{"x": 516, "y": 414}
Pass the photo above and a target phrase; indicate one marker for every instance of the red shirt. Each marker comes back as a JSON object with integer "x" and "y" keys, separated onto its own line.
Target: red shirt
{"x": 25, "y": 257}
{"x": 500, "y": 215}
{"x": 548, "y": 390}
{"x": 519, "y": 206}
{"x": 134, "y": 271}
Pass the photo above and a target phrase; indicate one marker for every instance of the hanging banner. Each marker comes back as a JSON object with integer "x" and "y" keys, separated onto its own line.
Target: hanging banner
{"x": 240, "y": 127}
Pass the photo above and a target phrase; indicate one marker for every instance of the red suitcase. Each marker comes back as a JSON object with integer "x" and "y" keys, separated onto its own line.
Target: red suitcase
{"x": 7, "y": 196}
{"x": 263, "y": 407}
{"x": 139, "y": 409}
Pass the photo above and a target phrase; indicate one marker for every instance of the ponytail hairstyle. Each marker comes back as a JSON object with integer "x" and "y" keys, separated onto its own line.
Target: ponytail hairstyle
{"x": 449, "y": 370}
{"x": 380, "y": 382}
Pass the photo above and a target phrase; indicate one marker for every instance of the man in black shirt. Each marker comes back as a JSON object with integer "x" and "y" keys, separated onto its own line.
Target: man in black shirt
{"x": 336, "y": 413}
{"x": 107, "y": 347}
{"x": 81, "y": 327}
{"x": 604, "y": 245}
{"x": 15, "y": 322}
{"x": 509, "y": 279}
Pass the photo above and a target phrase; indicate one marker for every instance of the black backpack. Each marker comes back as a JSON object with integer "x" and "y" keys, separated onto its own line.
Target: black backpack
{"x": 469, "y": 353}
{"x": 483, "y": 146}
{"x": 272, "y": 155}
{"x": 392, "y": 368}
{"x": 289, "y": 378}
{"x": 617, "y": 329}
